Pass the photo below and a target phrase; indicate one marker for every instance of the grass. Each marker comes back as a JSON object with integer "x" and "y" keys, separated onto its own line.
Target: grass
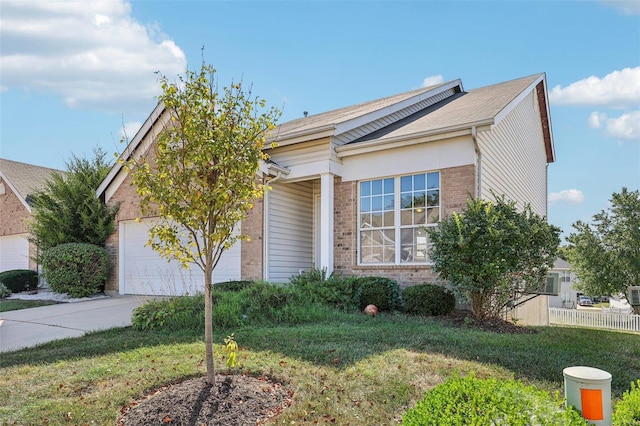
{"x": 348, "y": 370}
{"x": 16, "y": 304}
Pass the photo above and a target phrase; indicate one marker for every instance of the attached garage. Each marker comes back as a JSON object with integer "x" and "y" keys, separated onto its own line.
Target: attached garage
{"x": 142, "y": 271}
{"x": 14, "y": 252}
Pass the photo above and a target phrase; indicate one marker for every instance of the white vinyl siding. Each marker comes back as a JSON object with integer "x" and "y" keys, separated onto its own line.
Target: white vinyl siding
{"x": 14, "y": 252}
{"x": 143, "y": 271}
{"x": 513, "y": 159}
{"x": 289, "y": 239}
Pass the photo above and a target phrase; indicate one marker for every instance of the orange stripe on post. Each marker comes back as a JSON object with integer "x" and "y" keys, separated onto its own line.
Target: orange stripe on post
{"x": 592, "y": 404}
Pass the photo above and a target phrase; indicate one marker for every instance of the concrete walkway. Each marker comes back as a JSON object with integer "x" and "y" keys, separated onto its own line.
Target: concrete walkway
{"x": 29, "y": 327}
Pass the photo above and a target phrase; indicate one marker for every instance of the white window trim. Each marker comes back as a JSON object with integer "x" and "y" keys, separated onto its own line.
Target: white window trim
{"x": 396, "y": 220}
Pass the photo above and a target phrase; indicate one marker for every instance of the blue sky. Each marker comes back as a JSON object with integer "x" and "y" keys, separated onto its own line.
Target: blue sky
{"x": 74, "y": 74}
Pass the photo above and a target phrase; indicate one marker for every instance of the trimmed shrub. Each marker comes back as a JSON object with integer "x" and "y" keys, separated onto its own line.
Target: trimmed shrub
{"x": 428, "y": 299}
{"x": 233, "y": 285}
{"x": 4, "y": 291}
{"x": 627, "y": 410}
{"x": 77, "y": 269}
{"x": 471, "y": 401}
{"x": 335, "y": 291}
{"x": 379, "y": 291}
{"x": 18, "y": 280}
{"x": 175, "y": 313}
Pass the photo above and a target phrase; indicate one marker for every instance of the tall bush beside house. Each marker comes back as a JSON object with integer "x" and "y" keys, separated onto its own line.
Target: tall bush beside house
{"x": 67, "y": 209}
{"x": 18, "y": 280}
{"x": 78, "y": 269}
{"x": 493, "y": 253}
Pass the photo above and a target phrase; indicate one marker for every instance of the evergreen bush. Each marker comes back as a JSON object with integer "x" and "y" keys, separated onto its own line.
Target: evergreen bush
{"x": 18, "y": 280}
{"x": 78, "y": 269}
{"x": 4, "y": 291}
{"x": 428, "y": 299}
{"x": 379, "y": 291}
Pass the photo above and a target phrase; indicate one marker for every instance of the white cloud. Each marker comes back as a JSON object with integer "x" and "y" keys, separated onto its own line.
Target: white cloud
{"x": 619, "y": 89}
{"x": 432, "y": 80}
{"x": 626, "y": 127}
{"x": 569, "y": 196}
{"x": 627, "y": 7}
{"x": 92, "y": 54}
{"x": 130, "y": 129}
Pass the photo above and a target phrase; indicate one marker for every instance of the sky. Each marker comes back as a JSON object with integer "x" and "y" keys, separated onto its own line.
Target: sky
{"x": 76, "y": 75}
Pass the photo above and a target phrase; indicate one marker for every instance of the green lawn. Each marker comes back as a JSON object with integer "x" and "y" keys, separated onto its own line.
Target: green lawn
{"x": 15, "y": 304}
{"x": 351, "y": 369}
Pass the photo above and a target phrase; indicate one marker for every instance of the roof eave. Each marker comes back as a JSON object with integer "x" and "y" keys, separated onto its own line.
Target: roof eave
{"x": 13, "y": 189}
{"x": 131, "y": 147}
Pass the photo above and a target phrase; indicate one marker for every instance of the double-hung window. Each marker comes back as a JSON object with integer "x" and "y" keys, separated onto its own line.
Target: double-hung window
{"x": 393, "y": 215}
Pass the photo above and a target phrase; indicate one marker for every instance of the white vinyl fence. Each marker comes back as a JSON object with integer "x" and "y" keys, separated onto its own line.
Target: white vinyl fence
{"x": 594, "y": 319}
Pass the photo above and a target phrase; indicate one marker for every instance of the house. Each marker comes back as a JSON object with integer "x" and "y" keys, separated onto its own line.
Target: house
{"x": 354, "y": 188}
{"x": 567, "y": 295}
{"x": 17, "y": 182}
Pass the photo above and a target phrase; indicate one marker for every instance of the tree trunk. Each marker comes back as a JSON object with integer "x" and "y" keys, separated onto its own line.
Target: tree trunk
{"x": 208, "y": 326}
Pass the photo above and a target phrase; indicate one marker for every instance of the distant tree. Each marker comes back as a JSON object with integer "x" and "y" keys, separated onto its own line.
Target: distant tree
{"x": 67, "y": 209}
{"x": 605, "y": 254}
{"x": 200, "y": 178}
{"x": 491, "y": 253}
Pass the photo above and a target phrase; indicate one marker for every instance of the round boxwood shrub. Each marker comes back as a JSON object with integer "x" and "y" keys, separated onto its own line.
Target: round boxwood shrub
{"x": 428, "y": 299}
{"x": 627, "y": 410}
{"x": 78, "y": 269}
{"x": 379, "y": 291}
{"x": 471, "y": 401}
{"x": 18, "y": 280}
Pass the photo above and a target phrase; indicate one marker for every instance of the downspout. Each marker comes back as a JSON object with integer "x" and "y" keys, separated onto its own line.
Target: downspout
{"x": 474, "y": 137}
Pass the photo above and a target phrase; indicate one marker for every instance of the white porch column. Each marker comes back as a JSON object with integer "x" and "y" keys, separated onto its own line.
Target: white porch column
{"x": 326, "y": 222}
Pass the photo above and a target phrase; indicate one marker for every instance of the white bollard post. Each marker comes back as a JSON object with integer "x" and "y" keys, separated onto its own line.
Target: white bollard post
{"x": 588, "y": 389}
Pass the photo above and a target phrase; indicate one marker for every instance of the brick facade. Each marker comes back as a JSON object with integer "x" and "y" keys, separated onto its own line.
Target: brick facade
{"x": 457, "y": 185}
{"x": 14, "y": 219}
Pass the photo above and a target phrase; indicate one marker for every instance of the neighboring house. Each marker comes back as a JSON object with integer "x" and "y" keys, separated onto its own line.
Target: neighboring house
{"x": 354, "y": 188}
{"x": 17, "y": 182}
{"x": 567, "y": 296}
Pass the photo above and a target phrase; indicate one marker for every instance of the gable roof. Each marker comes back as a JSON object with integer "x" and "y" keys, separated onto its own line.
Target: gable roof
{"x": 24, "y": 179}
{"x": 430, "y": 110}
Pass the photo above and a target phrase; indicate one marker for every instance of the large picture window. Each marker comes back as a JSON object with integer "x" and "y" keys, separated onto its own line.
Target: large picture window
{"x": 393, "y": 213}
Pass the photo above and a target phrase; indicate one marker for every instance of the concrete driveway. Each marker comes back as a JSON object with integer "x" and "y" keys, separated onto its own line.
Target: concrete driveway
{"x": 29, "y": 327}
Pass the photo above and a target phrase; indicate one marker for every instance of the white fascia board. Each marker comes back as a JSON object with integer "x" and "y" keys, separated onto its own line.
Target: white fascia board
{"x": 515, "y": 101}
{"x": 126, "y": 154}
{"x": 15, "y": 191}
{"x": 407, "y": 140}
{"x": 304, "y": 172}
{"x": 391, "y": 109}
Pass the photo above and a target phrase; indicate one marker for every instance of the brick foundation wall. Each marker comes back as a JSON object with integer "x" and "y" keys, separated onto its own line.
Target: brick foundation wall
{"x": 457, "y": 185}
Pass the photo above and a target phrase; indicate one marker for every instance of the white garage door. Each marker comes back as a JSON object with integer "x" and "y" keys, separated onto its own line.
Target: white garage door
{"x": 143, "y": 271}
{"x": 14, "y": 252}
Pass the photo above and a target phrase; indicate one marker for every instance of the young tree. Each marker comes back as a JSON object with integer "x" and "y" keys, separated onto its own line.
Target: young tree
{"x": 605, "y": 254}
{"x": 200, "y": 178}
{"x": 491, "y": 253}
{"x": 67, "y": 209}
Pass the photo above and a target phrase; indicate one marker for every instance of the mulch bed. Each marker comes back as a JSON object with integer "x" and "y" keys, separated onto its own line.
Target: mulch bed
{"x": 237, "y": 400}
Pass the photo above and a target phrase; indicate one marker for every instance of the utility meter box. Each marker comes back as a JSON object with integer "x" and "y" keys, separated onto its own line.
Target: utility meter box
{"x": 588, "y": 389}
